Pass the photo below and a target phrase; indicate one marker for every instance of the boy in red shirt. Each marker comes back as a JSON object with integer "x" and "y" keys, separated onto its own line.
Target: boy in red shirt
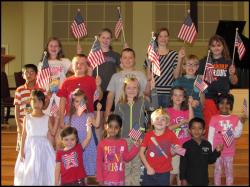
{"x": 158, "y": 156}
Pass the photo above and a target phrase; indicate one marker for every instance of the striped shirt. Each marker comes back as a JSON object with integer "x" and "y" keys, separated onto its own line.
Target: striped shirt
{"x": 168, "y": 63}
{"x": 22, "y": 98}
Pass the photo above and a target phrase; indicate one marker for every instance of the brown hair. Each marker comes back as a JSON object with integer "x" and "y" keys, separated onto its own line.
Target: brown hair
{"x": 184, "y": 104}
{"x": 128, "y": 50}
{"x": 60, "y": 54}
{"x": 219, "y": 39}
{"x": 68, "y": 131}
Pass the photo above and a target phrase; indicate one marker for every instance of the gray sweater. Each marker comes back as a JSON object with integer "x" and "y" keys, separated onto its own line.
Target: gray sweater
{"x": 134, "y": 114}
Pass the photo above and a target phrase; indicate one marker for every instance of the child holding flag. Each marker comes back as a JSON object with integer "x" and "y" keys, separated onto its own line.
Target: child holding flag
{"x": 223, "y": 129}
{"x": 157, "y": 144}
{"x": 77, "y": 118}
{"x": 224, "y": 72}
{"x": 131, "y": 108}
{"x": 188, "y": 81}
{"x": 112, "y": 153}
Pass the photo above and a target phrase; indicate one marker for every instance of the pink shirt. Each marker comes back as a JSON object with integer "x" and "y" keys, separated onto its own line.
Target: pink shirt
{"x": 218, "y": 125}
{"x": 111, "y": 157}
{"x": 176, "y": 116}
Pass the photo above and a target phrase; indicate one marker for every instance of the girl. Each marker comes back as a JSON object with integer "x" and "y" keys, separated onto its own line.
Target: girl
{"x": 170, "y": 65}
{"x": 224, "y": 72}
{"x": 180, "y": 111}
{"x": 218, "y": 126}
{"x": 69, "y": 166}
{"x": 35, "y": 163}
{"x": 59, "y": 67}
{"x": 155, "y": 151}
{"x": 77, "y": 118}
{"x": 131, "y": 108}
{"x": 112, "y": 153}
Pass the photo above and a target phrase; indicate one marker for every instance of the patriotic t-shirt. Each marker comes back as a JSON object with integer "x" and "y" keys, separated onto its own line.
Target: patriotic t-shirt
{"x": 168, "y": 63}
{"x": 218, "y": 125}
{"x": 154, "y": 156}
{"x": 176, "y": 116}
{"x": 221, "y": 72}
{"x": 22, "y": 98}
{"x": 71, "y": 161}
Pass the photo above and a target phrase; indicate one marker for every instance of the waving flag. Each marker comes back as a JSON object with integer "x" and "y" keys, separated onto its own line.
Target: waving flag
{"x": 54, "y": 108}
{"x": 200, "y": 84}
{"x": 96, "y": 95}
{"x": 43, "y": 76}
{"x": 188, "y": 31}
{"x": 118, "y": 26}
{"x": 96, "y": 56}
{"x": 228, "y": 137}
{"x": 154, "y": 57}
{"x": 78, "y": 27}
{"x": 240, "y": 46}
{"x": 209, "y": 73}
{"x": 82, "y": 107}
{"x": 135, "y": 133}
{"x": 244, "y": 106}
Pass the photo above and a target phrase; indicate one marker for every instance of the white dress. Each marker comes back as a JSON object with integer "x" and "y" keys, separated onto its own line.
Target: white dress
{"x": 38, "y": 167}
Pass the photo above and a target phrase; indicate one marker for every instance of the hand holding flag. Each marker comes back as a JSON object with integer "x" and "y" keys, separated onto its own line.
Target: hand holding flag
{"x": 153, "y": 56}
{"x": 135, "y": 133}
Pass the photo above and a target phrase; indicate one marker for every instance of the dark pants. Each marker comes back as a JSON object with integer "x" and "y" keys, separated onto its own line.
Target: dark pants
{"x": 158, "y": 179}
{"x": 79, "y": 182}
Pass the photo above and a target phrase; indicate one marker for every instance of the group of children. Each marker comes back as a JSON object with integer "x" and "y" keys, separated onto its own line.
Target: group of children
{"x": 82, "y": 152}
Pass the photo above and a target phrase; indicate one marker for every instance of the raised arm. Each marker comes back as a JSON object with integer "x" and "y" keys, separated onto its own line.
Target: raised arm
{"x": 86, "y": 141}
{"x": 177, "y": 70}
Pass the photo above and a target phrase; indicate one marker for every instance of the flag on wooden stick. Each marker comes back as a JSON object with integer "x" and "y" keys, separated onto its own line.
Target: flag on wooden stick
{"x": 78, "y": 26}
{"x": 240, "y": 46}
{"x": 228, "y": 137}
{"x": 119, "y": 25}
{"x": 43, "y": 76}
{"x": 154, "y": 57}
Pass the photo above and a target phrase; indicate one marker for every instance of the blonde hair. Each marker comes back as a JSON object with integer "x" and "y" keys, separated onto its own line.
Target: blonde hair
{"x": 124, "y": 97}
{"x": 160, "y": 112}
{"x": 192, "y": 57}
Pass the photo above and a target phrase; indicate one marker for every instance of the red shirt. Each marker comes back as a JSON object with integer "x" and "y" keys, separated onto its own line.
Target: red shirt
{"x": 155, "y": 158}
{"x": 72, "y": 167}
{"x": 85, "y": 83}
{"x": 111, "y": 157}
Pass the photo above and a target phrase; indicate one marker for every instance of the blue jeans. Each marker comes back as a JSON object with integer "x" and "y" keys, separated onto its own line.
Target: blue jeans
{"x": 158, "y": 179}
{"x": 163, "y": 100}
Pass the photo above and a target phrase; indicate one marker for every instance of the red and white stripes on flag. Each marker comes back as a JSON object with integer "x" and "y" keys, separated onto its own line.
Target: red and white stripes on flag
{"x": 244, "y": 106}
{"x": 54, "y": 108}
{"x": 118, "y": 27}
{"x": 154, "y": 57}
{"x": 240, "y": 46}
{"x": 96, "y": 56}
{"x": 188, "y": 31}
{"x": 200, "y": 84}
{"x": 43, "y": 76}
{"x": 82, "y": 107}
{"x": 228, "y": 137}
{"x": 78, "y": 26}
{"x": 96, "y": 95}
{"x": 135, "y": 133}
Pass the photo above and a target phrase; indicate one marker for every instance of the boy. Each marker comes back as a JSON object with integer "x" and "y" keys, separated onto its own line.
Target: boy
{"x": 22, "y": 98}
{"x": 187, "y": 81}
{"x": 117, "y": 80}
{"x": 194, "y": 164}
{"x": 158, "y": 157}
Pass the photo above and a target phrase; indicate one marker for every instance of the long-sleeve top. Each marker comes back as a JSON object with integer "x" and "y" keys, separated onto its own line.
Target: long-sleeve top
{"x": 218, "y": 126}
{"x": 134, "y": 114}
{"x": 111, "y": 157}
{"x": 194, "y": 164}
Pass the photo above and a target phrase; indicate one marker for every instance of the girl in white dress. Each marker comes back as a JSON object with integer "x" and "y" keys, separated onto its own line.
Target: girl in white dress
{"x": 35, "y": 163}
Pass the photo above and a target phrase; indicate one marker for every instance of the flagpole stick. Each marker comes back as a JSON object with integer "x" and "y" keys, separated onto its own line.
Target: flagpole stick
{"x": 97, "y": 72}
{"x": 152, "y": 35}
{"x": 236, "y": 32}
{"x": 206, "y": 64}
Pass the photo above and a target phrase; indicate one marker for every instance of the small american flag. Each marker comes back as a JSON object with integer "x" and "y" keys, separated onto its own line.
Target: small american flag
{"x": 228, "y": 137}
{"x": 135, "y": 133}
{"x": 188, "y": 31}
{"x": 54, "y": 108}
{"x": 244, "y": 106}
{"x": 96, "y": 95}
{"x": 82, "y": 107}
{"x": 154, "y": 57}
{"x": 200, "y": 84}
{"x": 78, "y": 27}
{"x": 239, "y": 44}
{"x": 118, "y": 26}
{"x": 96, "y": 56}
{"x": 178, "y": 149}
{"x": 209, "y": 73}
{"x": 43, "y": 76}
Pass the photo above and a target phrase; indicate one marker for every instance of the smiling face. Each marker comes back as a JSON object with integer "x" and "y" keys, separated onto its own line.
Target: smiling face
{"x": 132, "y": 89}
{"x": 224, "y": 107}
{"x": 69, "y": 141}
{"x": 159, "y": 122}
{"x": 197, "y": 130}
{"x": 163, "y": 38}
{"x": 216, "y": 48}
{"x": 177, "y": 97}
{"x": 127, "y": 60}
{"x": 191, "y": 67}
{"x": 113, "y": 129}
{"x": 80, "y": 65}
{"x": 53, "y": 48}
{"x": 105, "y": 39}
